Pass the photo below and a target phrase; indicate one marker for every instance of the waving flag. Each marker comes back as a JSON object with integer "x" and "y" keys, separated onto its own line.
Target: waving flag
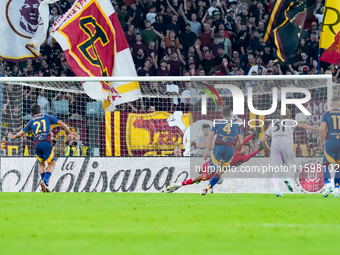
{"x": 331, "y": 23}
{"x": 284, "y": 27}
{"x": 94, "y": 45}
{"x": 332, "y": 54}
{"x": 23, "y": 28}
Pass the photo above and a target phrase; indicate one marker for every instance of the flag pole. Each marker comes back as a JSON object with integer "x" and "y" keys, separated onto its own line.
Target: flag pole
{"x": 319, "y": 55}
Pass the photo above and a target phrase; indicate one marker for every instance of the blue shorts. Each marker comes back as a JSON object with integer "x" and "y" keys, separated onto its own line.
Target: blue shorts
{"x": 332, "y": 151}
{"x": 219, "y": 152}
{"x": 44, "y": 151}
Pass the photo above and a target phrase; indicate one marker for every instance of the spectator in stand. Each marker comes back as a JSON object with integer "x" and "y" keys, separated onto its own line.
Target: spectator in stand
{"x": 255, "y": 68}
{"x": 139, "y": 60}
{"x": 303, "y": 62}
{"x": 187, "y": 38}
{"x": 152, "y": 52}
{"x": 217, "y": 21}
{"x": 195, "y": 26}
{"x": 135, "y": 47}
{"x": 175, "y": 63}
{"x": 30, "y": 97}
{"x": 163, "y": 69}
{"x": 303, "y": 46}
{"x": 260, "y": 70}
{"x": 45, "y": 71}
{"x": 212, "y": 8}
{"x": 148, "y": 34}
{"x": 200, "y": 72}
{"x": 255, "y": 42}
{"x": 64, "y": 5}
{"x": 151, "y": 15}
{"x": 159, "y": 104}
{"x": 6, "y": 116}
{"x": 170, "y": 41}
{"x": 206, "y": 36}
{"x": 251, "y": 63}
{"x": 241, "y": 44}
{"x": 43, "y": 102}
{"x": 216, "y": 44}
{"x": 201, "y": 10}
{"x": 318, "y": 9}
{"x": 130, "y": 35}
{"x": 315, "y": 69}
{"x": 185, "y": 106}
{"x": 313, "y": 47}
{"x": 336, "y": 74}
{"x": 15, "y": 72}
{"x": 16, "y": 117}
{"x": 64, "y": 68}
{"x": 225, "y": 41}
{"x": 173, "y": 90}
{"x": 159, "y": 25}
{"x": 208, "y": 62}
{"x": 267, "y": 54}
{"x": 223, "y": 68}
{"x": 148, "y": 69}
{"x": 314, "y": 29}
{"x": 234, "y": 69}
{"x": 190, "y": 91}
{"x": 173, "y": 26}
{"x": 277, "y": 69}
{"x": 220, "y": 56}
{"x": 55, "y": 14}
{"x": 137, "y": 15}
{"x": 123, "y": 15}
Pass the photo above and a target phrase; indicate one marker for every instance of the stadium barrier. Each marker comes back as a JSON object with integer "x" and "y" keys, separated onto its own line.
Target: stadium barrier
{"x": 81, "y": 174}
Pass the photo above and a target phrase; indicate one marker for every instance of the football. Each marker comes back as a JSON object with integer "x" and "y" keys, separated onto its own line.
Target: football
{"x": 300, "y": 117}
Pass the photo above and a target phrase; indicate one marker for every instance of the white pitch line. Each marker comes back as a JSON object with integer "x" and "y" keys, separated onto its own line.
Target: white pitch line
{"x": 286, "y": 225}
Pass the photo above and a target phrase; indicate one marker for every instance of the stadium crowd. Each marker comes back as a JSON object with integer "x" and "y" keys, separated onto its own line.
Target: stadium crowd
{"x": 177, "y": 38}
{"x": 192, "y": 37}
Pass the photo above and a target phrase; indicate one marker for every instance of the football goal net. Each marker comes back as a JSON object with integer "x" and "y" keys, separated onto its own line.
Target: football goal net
{"x": 171, "y": 112}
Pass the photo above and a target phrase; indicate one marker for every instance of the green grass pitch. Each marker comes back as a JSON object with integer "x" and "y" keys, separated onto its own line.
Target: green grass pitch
{"x": 136, "y": 223}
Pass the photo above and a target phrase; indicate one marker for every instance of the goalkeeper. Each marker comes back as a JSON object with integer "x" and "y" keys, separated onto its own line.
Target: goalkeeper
{"x": 241, "y": 155}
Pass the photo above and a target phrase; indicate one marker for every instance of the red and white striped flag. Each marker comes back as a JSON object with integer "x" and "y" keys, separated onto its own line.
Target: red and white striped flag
{"x": 94, "y": 44}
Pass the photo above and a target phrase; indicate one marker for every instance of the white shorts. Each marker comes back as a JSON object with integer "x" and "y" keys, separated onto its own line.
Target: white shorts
{"x": 281, "y": 155}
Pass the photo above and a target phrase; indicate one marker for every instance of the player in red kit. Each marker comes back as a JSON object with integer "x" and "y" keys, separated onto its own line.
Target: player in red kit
{"x": 240, "y": 156}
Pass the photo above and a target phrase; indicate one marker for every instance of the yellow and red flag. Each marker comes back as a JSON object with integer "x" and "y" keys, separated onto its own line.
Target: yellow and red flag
{"x": 332, "y": 54}
{"x": 331, "y": 23}
{"x": 94, "y": 44}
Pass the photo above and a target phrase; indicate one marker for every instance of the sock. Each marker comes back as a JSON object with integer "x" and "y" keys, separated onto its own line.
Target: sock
{"x": 326, "y": 174}
{"x": 47, "y": 177}
{"x": 337, "y": 179}
{"x": 276, "y": 182}
{"x": 42, "y": 176}
{"x": 214, "y": 180}
{"x": 187, "y": 182}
